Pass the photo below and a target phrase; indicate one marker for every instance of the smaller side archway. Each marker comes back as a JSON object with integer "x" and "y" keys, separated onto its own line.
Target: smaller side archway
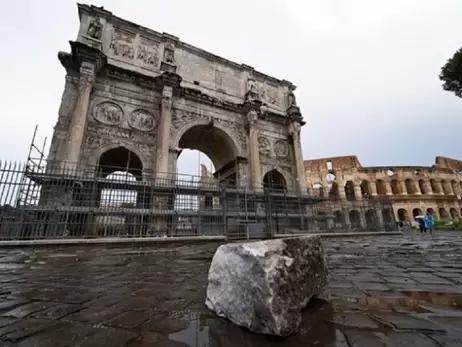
{"x": 432, "y": 212}
{"x": 334, "y": 192}
{"x": 355, "y": 219}
{"x": 443, "y": 213}
{"x": 339, "y": 218}
{"x": 403, "y": 215}
{"x": 365, "y": 188}
{"x": 350, "y": 191}
{"x": 274, "y": 180}
{"x": 416, "y": 212}
{"x": 371, "y": 220}
{"x": 454, "y": 214}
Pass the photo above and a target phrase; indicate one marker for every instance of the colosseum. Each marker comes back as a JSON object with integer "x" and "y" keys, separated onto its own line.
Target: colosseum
{"x": 410, "y": 190}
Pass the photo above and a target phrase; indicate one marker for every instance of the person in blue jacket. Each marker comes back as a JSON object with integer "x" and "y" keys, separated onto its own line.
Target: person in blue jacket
{"x": 429, "y": 222}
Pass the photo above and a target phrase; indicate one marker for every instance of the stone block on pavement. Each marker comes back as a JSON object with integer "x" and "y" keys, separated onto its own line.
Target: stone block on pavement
{"x": 264, "y": 285}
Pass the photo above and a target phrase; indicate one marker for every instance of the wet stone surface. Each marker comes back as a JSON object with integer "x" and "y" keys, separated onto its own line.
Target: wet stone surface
{"x": 384, "y": 291}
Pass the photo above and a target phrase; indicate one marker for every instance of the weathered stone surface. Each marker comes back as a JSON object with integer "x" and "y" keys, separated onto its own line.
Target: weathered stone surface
{"x": 264, "y": 285}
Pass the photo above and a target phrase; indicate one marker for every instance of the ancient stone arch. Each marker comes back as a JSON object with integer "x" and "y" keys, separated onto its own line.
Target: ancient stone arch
{"x": 95, "y": 156}
{"x": 133, "y": 86}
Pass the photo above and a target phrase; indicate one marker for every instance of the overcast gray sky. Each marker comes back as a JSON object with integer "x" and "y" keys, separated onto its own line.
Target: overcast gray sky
{"x": 366, "y": 70}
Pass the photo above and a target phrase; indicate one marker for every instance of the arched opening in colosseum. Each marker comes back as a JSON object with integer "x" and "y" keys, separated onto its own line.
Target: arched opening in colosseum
{"x": 355, "y": 219}
{"x": 387, "y": 216}
{"x": 330, "y": 177}
{"x": 423, "y": 187}
{"x": 334, "y": 191}
{"x": 390, "y": 172}
{"x": 432, "y": 212}
{"x": 395, "y": 187}
{"x": 365, "y": 188}
{"x": 455, "y": 187}
{"x": 446, "y": 187}
{"x": 435, "y": 187}
{"x": 402, "y": 215}
{"x": 371, "y": 220}
{"x": 443, "y": 213}
{"x": 339, "y": 217}
{"x": 318, "y": 189}
{"x": 454, "y": 214}
{"x": 350, "y": 191}
{"x": 274, "y": 180}
{"x": 381, "y": 187}
{"x": 410, "y": 186}
{"x": 416, "y": 212}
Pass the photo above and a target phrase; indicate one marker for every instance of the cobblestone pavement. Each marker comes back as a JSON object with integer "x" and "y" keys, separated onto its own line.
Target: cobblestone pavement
{"x": 384, "y": 291}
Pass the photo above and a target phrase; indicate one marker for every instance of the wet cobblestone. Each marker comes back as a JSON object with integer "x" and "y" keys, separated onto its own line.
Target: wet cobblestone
{"x": 383, "y": 291}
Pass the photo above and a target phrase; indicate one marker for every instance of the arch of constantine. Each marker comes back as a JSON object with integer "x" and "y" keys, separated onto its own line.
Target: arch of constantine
{"x": 133, "y": 92}
{"x": 411, "y": 190}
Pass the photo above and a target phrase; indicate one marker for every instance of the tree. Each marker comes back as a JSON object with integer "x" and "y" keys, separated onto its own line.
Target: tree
{"x": 451, "y": 74}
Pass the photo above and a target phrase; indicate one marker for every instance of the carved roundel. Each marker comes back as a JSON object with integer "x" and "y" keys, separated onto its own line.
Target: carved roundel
{"x": 108, "y": 113}
{"x": 264, "y": 145}
{"x": 280, "y": 148}
{"x": 142, "y": 120}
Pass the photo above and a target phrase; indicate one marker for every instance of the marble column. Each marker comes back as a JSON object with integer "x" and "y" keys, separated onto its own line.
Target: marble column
{"x": 403, "y": 187}
{"x": 373, "y": 188}
{"x": 255, "y": 167}
{"x": 163, "y": 133}
{"x": 78, "y": 121}
{"x": 358, "y": 194}
{"x": 439, "y": 186}
{"x": 294, "y": 131}
{"x": 388, "y": 190}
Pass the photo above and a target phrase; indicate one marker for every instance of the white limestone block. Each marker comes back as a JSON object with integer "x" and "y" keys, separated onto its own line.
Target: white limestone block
{"x": 264, "y": 285}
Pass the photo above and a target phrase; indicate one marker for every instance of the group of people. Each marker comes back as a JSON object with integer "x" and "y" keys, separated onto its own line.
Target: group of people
{"x": 426, "y": 222}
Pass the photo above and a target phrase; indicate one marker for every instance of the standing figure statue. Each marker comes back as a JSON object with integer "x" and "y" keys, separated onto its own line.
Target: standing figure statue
{"x": 292, "y": 100}
{"x": 94, "y": 28}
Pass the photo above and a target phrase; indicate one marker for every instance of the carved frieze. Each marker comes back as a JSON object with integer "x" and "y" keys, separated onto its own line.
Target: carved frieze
{"x": 122, "y": 44}
{"x": 108, "y": 113}
{"x": 148, "y": 52}
{"x": 142, "y": 120}
{"x": 281, "y": 149}
{"x": 94, "y": 142}
{"x": 264, "y": 145}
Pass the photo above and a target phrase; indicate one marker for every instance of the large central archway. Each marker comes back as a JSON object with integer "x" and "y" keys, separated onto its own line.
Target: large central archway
{"x": 216, "y": 144}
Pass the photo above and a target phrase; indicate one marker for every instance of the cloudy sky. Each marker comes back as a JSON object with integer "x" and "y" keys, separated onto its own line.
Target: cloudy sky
{"x": 366, "y": 70}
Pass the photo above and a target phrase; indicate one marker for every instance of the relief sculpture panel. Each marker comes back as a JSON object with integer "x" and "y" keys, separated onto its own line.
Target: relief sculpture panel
{"x": 108, "y": 113}
{"x": 142, "y": 120}
{"x": 264, "y": 145}
{"x": 269, "y": 94}
{"x": 281, "y": 149}
{"x": 122, "y": 44}
{"x": 148, "y": 52}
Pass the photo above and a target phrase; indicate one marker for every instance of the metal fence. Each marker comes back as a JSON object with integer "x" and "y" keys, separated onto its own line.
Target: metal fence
{"x": 51, "y": 200}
